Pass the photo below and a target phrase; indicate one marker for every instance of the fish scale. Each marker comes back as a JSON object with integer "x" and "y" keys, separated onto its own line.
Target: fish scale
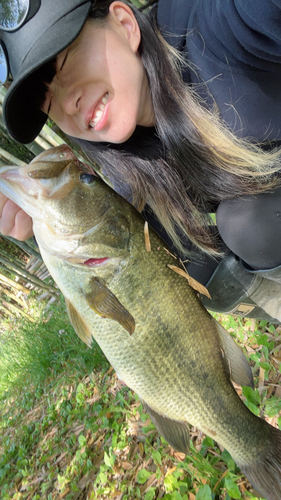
{"x": 148, "y": 321}
{"x": 192, "y": 378}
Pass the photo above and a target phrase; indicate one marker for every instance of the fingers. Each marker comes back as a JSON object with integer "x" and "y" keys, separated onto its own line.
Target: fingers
{"x": 23, "y": 228}
{"x": 13, "y": 220}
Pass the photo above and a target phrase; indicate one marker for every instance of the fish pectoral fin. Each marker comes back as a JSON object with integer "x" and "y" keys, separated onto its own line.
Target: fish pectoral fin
{"x": 46, "y": 169}
{"x": 174, "y": 431}
{"x": 78, "y": 324}
{"x": 236, "y": 363}
{"x": 104, "y": 303}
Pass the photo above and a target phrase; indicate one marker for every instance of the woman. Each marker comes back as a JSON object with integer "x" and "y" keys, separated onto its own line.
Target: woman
{"x": 105, "y": 76}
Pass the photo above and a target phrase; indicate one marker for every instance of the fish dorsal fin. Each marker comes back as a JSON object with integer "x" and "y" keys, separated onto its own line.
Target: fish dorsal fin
{"x": 78, "y": 324}
{"x": 104, "y": 303}
{"x": 174, "y": 431}
{"x": 236, "y": 364}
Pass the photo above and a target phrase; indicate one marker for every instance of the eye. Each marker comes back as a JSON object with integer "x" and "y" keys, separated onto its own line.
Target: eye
{"x": 87, "y": 178}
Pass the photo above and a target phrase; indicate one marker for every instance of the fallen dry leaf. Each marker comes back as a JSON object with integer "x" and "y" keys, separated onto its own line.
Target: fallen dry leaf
{"x": 169, "y": 253}
{"x": 126, "y": 465}
{"x": 179, "y": 456}
{"x": 146, "y": 237}
{"x": 191, "y": 281}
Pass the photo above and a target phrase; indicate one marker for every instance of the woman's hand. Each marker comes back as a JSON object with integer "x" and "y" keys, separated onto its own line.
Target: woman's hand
{"x": 13, "y": 220}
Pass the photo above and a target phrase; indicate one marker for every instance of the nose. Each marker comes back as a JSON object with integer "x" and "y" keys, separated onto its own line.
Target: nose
{"x": 70, "y": 100}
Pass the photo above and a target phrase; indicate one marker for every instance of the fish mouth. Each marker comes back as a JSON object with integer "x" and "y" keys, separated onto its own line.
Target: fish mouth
{"x": 21, "y": 189}
{"x": 19, "y": 183}
{"x": 92, "y": 262}
{"x": 26, "y": 185}
{"x": 96, "y": 262}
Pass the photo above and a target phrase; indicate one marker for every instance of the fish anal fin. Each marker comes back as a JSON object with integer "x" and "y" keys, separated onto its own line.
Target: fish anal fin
{"x": 78, "y": 324}
{"x": 175, "y": 432}
{"x": 104, "y": 303}
{"x": 236, "y": 363}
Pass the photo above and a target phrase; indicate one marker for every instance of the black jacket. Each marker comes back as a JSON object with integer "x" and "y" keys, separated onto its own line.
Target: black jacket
{"x": 236, "y": 48}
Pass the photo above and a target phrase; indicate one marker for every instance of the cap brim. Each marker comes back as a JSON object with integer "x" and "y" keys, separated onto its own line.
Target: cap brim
{"x": 22, "y": 117}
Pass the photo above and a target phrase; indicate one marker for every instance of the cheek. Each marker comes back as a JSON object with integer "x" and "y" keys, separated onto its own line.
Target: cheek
{"x": 129, "y": 80}
{"x": 68, "y": 126}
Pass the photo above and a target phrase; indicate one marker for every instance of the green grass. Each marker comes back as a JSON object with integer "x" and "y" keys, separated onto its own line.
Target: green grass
{"x": 34, "y": 351}
{"x": 70, "y": 430}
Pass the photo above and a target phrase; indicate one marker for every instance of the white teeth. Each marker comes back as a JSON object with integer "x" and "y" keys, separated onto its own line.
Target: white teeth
{"x": 99, "y": 112}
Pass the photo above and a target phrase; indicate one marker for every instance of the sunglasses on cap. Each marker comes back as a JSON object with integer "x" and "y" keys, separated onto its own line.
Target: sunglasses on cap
{"x": 13, "y": 15}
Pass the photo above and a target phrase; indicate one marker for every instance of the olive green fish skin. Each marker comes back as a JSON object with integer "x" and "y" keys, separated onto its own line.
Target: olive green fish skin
{"x": 173, "y": 360}
{"x": 174, "y": 357}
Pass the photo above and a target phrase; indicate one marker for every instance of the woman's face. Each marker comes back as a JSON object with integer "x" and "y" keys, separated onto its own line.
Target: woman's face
{"x": 100, "y": 91}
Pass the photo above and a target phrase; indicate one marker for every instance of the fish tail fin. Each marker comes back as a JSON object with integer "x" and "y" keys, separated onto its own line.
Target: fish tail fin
{"x": 265, "y": 473}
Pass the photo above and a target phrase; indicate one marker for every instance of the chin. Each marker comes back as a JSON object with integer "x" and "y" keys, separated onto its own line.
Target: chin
{"x": 118, "y": 138}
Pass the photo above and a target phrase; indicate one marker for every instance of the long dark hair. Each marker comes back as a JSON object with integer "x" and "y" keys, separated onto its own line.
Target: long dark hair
{"x": 190, "y": 161}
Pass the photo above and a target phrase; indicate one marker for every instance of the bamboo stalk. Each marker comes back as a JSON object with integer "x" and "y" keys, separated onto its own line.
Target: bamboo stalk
{"x": 7, "y": 311}
{"x": 11, "y": 257}
{"x": 34, "y": 148}
{"x": 24, "y": 246}
{"x": 44, "y": 275}
{"x": 22, "y": 273}
{"x": 44, "y": 144}
{"x": 44, "y": 296}
{"x": 41, "y": 268}
{"x": 35, "y": 266}
{"x": 19, "y": 269}
{"x": 12, "y": 283}
{"x": 13, "y": 243}
{"x": 11, "y": 158}
{"x": 49, "y": 135}
{"x": 9, "y": 270}
{"x": 12, "y": 296}
{"x": 18, "y": 310}
{"x": 30, "y": 262}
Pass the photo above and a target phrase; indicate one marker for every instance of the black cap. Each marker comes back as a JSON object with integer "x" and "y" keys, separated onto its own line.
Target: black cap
{"x": 55, "y": 26}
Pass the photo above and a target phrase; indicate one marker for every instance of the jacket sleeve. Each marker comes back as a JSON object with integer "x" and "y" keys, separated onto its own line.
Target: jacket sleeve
{"x": 246, "y": 31}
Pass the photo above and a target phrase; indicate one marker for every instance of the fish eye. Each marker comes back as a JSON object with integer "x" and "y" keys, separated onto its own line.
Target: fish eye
{"x": 87, "y": 178}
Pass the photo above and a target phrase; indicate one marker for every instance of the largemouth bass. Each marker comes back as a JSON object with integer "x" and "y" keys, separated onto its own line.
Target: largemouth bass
{"x": 149, "y": 323}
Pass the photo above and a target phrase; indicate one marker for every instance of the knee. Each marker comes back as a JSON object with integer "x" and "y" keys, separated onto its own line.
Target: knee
{"x": 251, "y": 227}
{"x": 235, "y": 218}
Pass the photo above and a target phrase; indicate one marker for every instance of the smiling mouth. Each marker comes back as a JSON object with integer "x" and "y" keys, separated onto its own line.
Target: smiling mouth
{"x": 99, "y": 112}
